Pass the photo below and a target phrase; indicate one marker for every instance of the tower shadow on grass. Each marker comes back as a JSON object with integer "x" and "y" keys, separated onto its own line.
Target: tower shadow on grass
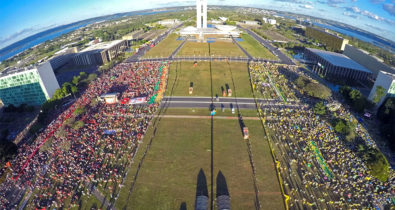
{"x": 223, "y": 198}
{"x": 201, "y": 202}
{"x": 183, "y": 206}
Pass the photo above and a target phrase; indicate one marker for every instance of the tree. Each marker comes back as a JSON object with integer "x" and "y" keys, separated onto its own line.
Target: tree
{"x": 378, "y": 164}
{"x": 83, "y": 75}
{"x": 341, "y": 127}
{"x": 380, "y": 93}
{"x": 59, "y": 94}
{"x": 301, "y": 82}
{"x": 319, "y": 108}
{"x": 77, "y": 125}
{"x": 74, "y": 89}
{"x": 345, "y": 91}
{"x": 318, "y": 90}
{"x": 76, "y": 80}
{"x": 92, "y": 77}
{"x": 355, "y": 94}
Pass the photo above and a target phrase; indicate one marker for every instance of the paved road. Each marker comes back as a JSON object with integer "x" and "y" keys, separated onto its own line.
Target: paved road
{"x": 142, "y": 51}
{"x": 226, "y": 102}
{"x": 284, "y": 59}
{"x": 242, "y": 49}
{"x": 178, "y": 48}
{"x": 231, "y": 59}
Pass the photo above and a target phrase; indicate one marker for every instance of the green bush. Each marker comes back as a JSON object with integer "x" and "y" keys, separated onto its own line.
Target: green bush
{"x": 319, "y": 108}
{"x": 78, "y": 124}
{"x": 313, "y": 89}
{"x": 377, "y": 164}
{"x": 355, "y": 99}
{"x": 79, "y": 111}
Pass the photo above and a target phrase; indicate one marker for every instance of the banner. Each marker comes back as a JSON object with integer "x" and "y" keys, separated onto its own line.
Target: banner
{"x": 138, "y": 100}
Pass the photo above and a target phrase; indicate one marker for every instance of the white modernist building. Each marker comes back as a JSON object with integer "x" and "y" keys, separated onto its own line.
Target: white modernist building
{"x": 201, "y": 28}
{"x": 272, "y": 21}
{"x": 387, "y": 81}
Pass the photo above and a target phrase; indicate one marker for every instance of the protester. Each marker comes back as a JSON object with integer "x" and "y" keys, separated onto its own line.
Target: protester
{"x": 319, "y": 169}
{"x": 99, "y": 152}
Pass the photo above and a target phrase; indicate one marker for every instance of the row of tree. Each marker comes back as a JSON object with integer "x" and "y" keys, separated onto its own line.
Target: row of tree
{"x": 386, "y": 115}
{"x": 355, "y": 99}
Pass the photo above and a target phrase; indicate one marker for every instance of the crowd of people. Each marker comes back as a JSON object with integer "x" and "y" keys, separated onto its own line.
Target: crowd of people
{"x": 318, "y": 167}
{"x": 64, "y": 159}
{"x": 271, "y": 83}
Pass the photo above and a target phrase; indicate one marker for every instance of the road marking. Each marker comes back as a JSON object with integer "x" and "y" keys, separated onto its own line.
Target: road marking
{"x": 206, "y": 102}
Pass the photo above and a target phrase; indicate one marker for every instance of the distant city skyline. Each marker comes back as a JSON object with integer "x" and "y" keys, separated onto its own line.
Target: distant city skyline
{"x": 23, "y": 18}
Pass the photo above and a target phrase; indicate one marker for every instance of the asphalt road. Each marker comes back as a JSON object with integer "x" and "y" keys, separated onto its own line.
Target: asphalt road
{"x": 225, "y": 102}
{"x": 284, "y": 59}
{"x": 142, "y": 51}
{"x": 230, "y": 59}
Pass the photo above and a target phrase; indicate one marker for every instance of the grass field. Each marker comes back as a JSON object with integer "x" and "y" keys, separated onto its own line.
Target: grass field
{"x": 217, "y": 49}
{"x": 255, "y": 48}
{"x": 182, "y": 147}
{"x": 225, "y": 49}
{"x": 205, "y": 112}
{"x": 194, "y": 49}
{"x": 164, "y": 48}
{"x": 182, "y": 74}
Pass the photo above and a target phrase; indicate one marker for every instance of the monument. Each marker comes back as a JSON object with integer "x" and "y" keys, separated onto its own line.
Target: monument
{"x": 201, "y": 13}
{"x": 202, "y": 30}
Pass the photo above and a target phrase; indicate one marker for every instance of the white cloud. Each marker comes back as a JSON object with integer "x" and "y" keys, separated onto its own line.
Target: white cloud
{"x": 307, "y": 6}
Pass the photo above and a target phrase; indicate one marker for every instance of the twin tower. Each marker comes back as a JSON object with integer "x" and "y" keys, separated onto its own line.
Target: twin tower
{"x": 201, "y": 10}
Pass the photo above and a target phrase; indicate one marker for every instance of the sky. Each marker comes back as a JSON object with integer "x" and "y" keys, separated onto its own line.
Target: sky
{"x": 22, "y": 18}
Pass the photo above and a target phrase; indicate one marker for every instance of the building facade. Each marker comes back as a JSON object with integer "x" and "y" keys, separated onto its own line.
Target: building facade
{"x": 335, "y": 65}
{"x": 101, "y": 53}
{"x": 368, "y": 61}
{"x": 251, "y": 22}
{"x": 28, "y": 86}
{"x": 387, "y": 81}
{"x": 201, "y": 13}
{"x": 62, "y": 57}
{"x": 332, "y": 41}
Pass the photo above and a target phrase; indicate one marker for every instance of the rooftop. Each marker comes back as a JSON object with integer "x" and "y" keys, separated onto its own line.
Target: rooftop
{"x": 14, "y": 70}
{"x": 338, "y": 59}
{"x": 102, "y": 46}
{"x": 327, "y": 32}
{"x": 388, "y": 74}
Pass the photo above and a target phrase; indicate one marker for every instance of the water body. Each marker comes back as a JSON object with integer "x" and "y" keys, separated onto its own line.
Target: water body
{"x": 376, "y": 41}
{"x": 356, "y": 34}
{"x": 50, "y": 34}
{"x": 28, "y": 44}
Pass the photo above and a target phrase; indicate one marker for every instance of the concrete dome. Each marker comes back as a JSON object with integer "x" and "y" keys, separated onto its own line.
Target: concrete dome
{"x": 225, "y": 27}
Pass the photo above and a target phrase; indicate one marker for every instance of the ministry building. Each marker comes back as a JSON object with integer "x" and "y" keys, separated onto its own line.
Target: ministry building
{"x": 28, "y": 86}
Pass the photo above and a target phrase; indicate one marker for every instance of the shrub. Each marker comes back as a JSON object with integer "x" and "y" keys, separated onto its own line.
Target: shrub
{"x": 319, "y": 108}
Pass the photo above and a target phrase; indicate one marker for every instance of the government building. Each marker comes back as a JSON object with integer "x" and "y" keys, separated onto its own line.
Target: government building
{"x": 100, "y": 53}
{"x": 331, "y": 41}
{"x": 336, "y": 65}
{"x": 28, "y": 86}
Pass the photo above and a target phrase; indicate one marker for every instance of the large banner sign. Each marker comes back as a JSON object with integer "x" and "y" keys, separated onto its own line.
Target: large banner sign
{"x": 139, "y": 100}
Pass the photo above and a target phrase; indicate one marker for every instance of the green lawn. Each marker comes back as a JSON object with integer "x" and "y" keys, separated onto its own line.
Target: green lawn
{"x": 206, "y": 112}
{"x": 182, "y": 147}
{"x": 255, "y": 49}
{"x": 194, "y": 49}
{"x": 225, "y": 49}
{"x": 217, "y": 49}
{"x": 164, "y": 48}
{"x": 181, "y": 75}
